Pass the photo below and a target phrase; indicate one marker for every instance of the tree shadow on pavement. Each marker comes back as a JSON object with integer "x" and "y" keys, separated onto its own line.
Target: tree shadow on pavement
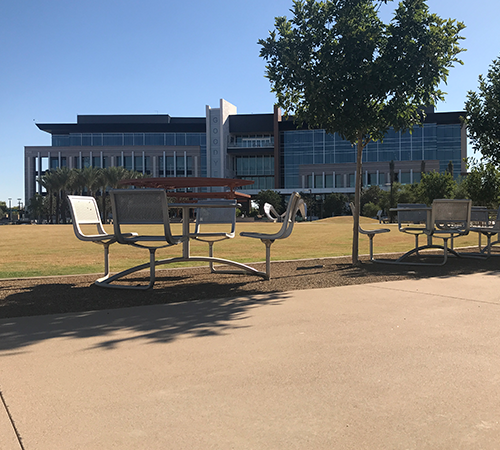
{"x": 158, "y": 323}
{"x": 184, "y": 302}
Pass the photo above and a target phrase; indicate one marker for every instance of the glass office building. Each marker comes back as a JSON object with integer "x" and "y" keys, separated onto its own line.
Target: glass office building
{"x": 273, "y": 152}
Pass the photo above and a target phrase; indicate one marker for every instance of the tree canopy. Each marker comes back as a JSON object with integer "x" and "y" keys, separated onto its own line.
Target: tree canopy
{"x": 272, "y": 197}
{"x": 483, "y": 114}
{"x": 436, "y": 185}
{"x": 482, "y": 184}
{"x": 335, "y": 65}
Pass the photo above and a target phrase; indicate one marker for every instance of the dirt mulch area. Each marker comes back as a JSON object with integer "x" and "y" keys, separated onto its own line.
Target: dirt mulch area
{"x": 54, "y": 295}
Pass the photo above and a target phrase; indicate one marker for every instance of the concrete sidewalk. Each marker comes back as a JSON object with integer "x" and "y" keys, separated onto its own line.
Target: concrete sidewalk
{"x": 398, "y": 365}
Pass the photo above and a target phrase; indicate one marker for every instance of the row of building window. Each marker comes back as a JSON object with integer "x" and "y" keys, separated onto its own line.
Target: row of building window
{"x": 323, "y": 181}
{"x": 254, "y": 165}
{"x": 251, "y": 141}
{"x": 431, "y": 142}
{"x": 260, "y": 183}
{"x": 178, "y": 166}
{"x": 128, "y": 139}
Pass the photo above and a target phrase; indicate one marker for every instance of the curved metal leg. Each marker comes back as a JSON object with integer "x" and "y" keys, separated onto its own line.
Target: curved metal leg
{"x": 106, "y": 261}
{"x": 106, "y": 282}
{"x": 152, "y": 265}
{"x": 401, "y": 259}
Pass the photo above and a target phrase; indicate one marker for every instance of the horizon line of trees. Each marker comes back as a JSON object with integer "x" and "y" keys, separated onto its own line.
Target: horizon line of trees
{"x": 60, "y": 182}
{"x": 481, "y": 185}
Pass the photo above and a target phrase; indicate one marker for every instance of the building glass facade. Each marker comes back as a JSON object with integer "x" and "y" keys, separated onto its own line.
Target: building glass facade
{"x": 323, "y": 155}
{"x": 273, "y": 152}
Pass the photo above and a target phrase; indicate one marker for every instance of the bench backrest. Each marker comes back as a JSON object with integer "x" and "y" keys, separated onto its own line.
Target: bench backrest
{"x": 84, "y": 211}
{"x": 140, "y": 207}
{"x": 451, "y": 214}
{"x": 216, "y": 216}
{"x": 414, "y": 217}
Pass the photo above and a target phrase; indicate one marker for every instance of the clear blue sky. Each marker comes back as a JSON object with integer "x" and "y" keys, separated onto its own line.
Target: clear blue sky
{"x": 61, "y": 58}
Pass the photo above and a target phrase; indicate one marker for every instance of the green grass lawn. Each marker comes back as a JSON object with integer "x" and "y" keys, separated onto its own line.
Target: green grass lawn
{"x": 39, "y": 250}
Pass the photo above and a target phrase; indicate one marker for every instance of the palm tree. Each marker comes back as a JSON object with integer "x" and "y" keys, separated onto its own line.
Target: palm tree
{"x": 90, "y": 176}
{"x": 76, "y": 183}
{"x": 36, "y": 207}
{"x": 50, "y": 183}
{"x": 64, "y": 176}
{"x": 110, "y": 178}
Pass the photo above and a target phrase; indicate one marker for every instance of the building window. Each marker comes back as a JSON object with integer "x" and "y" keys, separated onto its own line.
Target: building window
{"x": 254, "y": 165}
{"x": 260, "y": 183}
{"x": 127, "y": 162}
{"x": 405, "y": 178}
{"x": 112, "y": 139}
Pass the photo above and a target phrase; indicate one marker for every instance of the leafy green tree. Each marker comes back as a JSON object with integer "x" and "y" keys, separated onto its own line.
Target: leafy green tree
{"x": 482, "y": 184}
{"x": 371, "y": 195}
{"x": 3, "y": 209}
{"x": 335, "y": 65}
{"x": 370, "y": 209}
{"x": 483, "y": 114}
{"x": 436, "y": 185}
{"x": 37, "y": 207}
{"x": 335, "y": 204}
{"x": 311, "y": 204}
{"x": 408, "y": 193}
{"x": 460, "y": 188}
{"x": 400, "y": 193}
{"x": 272, "y": 197}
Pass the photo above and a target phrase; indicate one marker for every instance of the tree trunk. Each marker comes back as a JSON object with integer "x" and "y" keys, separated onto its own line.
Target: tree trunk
{"x": 357, "y": 196}
{"x": 58, "y": 207}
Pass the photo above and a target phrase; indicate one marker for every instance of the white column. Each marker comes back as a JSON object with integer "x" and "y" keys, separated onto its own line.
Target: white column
{"x": 39, "y": 171}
